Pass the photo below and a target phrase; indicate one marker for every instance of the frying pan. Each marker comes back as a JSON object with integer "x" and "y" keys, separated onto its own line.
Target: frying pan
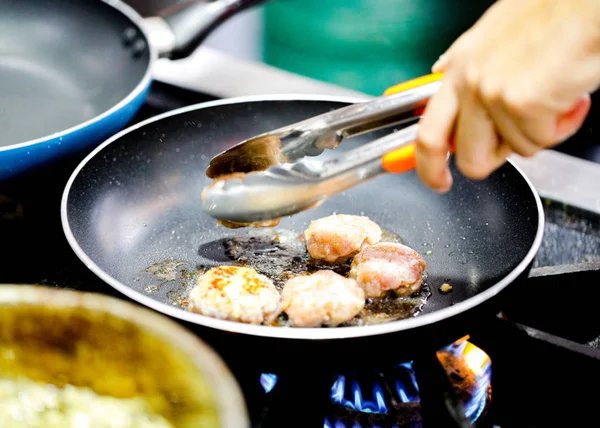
{"x": 135, "y": 202}
{"x": 74, "y": 72}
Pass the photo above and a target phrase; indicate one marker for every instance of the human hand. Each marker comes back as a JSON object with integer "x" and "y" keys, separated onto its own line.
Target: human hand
{"x": 516, "y": 82}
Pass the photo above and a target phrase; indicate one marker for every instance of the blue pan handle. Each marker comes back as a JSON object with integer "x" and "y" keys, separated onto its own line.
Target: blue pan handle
{"x": 192, "y": 21}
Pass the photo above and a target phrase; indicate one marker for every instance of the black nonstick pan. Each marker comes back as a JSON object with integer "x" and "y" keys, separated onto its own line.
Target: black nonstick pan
{"x": 131, "y": 211}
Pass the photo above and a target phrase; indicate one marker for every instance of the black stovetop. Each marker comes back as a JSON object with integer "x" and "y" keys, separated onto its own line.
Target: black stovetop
{"x": 538, "y": 377}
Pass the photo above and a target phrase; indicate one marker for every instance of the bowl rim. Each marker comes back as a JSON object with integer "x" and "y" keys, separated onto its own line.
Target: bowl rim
{"x": 230, "y": 403}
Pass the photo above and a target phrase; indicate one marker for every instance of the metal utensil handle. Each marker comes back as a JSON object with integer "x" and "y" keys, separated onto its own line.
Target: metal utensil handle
{"x": 359, "y": 165}
{"x": 407, "y": 102}
{"x": 370, "y": 152}
{"x": 191, "y": 22}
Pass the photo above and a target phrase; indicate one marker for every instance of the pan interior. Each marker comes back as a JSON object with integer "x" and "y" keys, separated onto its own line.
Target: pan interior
{"x": 62, "y": 63}
{"x": 135, "y": 205}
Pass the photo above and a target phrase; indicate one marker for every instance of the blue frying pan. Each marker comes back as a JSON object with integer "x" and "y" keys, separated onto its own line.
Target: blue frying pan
{"x": 74, "y": 72}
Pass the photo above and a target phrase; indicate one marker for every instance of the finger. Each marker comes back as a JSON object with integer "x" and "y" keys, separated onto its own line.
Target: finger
{"x": 541, "y": 128}
{"x": 542, "y": 124}
{"x": 433, "y": 139}
{"x": 476, "y": 139}
{"x": 570, "y": 122}
{"x": 441, "y": 63}
{"x": 443, "y": 60}
{"x": 511, "y": 135}
{"x": 503, "y": 151}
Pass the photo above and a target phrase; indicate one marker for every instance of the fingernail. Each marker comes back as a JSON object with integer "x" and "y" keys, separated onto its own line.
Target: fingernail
{"x": 448, "y": 181}
{"x": 438, "y": 64}
{"x": 569, "y": 123}
{"x": 443, "y": 189}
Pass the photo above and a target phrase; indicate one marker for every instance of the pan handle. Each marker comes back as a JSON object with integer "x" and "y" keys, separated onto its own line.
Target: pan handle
{"x": 179, "y": 29}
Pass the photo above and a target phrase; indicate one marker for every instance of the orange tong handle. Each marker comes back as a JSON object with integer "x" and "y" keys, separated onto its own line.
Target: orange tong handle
{"x": 404, "y": 159}
{"x": 401, "y": 160}
{"x": 414, "y": 83}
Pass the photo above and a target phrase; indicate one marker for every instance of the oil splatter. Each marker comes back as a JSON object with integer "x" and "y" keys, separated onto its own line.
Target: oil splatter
{"x": 187, "y": 280}
{"x": 165, "y": 270}
{"x": 281, "y": 254}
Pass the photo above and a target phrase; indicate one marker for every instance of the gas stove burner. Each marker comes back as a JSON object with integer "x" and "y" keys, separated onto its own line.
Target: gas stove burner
{"x": 376, "y": 392}
{"x": 391, "y": 398}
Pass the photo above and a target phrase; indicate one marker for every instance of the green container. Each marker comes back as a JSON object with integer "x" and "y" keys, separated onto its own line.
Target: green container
{"x": 361, "y": 44}
{"x": 371, "y": 77}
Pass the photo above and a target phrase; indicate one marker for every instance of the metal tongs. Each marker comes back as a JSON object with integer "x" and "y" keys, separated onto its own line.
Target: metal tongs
{"x": 273, "y": 175}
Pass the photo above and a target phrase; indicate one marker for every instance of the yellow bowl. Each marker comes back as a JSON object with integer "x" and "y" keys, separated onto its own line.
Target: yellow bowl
{"x": 116, "y": 349}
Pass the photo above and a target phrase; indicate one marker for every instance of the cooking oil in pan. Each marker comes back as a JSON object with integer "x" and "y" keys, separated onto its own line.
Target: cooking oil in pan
{"x": 281, "y": 254}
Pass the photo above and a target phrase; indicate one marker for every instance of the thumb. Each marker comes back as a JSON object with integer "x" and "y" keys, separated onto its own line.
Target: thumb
{"x": 440, "y": 64}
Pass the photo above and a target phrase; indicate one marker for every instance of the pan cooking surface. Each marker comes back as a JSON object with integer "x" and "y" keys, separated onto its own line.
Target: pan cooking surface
{"x": 135, "y": 206}
{"x": 62, "y": 63}
{"x": 280, "y": 255}
{"x": 33, "y": 91}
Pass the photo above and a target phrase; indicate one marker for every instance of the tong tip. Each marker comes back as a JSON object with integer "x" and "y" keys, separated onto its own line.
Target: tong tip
{"x": 255, "y": 154}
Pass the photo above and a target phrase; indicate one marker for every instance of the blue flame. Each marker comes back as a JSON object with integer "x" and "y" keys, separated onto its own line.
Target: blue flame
{"x": 478, "y": 401}
{"x": 379, "y": 398}
{"x": 268, "y": 381}
{"x": 338, "y": 389}
{"x": 348, "y": 392}
{"x": 357, "y": 399}
{"x": 340, "y": 424}
{"x": 405, "y": 383}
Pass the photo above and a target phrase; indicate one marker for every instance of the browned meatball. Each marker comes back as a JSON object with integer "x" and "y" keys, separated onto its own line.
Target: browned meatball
{"x": 388, "y": 267}
{"x": 237, "y": 294}
{"x": 323, "y": 298}
{"x": 337, "y": 237}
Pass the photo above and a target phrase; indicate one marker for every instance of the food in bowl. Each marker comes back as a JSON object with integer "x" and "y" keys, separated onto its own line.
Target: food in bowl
{"x": 69, "y": 359}
{"x": 26, "y": 403}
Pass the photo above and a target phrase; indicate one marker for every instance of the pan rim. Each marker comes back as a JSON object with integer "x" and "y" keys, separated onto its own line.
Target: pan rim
{"x": 279, "y": 332}
{"x": 137, "y": 20}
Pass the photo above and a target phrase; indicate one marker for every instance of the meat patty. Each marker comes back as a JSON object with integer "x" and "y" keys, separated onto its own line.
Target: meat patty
{"x": 388, "y": 267}
{"x": 337, "y": 237}
{"x": 236, "y": 294}
{"x": 323, "y": 298}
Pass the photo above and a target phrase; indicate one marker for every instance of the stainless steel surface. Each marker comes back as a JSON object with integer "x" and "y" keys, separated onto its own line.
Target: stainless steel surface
{"x": 564, "y": 178}
{"x": 214, "y": 73}
{"x": 193, "y": 21}
{"x": 160, "y": 35}
{"x": 152, "y": 7}
{"x": 564, "y": 269}
{"x": 293, "y": 187}
{"x": 312, "y": 136}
